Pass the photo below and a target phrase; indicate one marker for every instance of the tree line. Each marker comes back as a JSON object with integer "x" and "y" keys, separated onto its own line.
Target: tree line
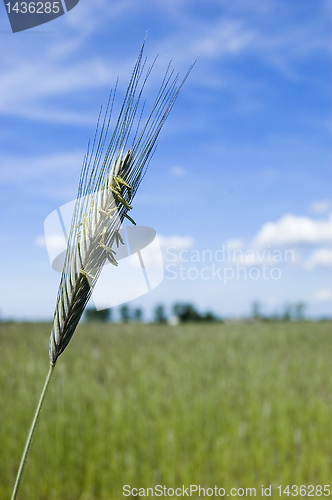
{"x": 292, "y": 311}
{"x": 181, "y": 312}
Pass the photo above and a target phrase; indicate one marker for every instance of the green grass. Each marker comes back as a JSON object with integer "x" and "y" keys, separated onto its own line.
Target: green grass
{"x": 233, "y": 405}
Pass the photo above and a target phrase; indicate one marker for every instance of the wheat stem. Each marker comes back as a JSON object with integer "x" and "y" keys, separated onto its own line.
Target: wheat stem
{"x": 30, "y": 435}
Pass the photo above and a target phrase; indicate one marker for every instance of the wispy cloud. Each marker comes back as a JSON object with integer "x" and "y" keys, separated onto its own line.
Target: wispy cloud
{"x": 178, "y": 171}
{"x": 17, "y": 170}
{"x": 235, "y": 243}
{"x": 67, "y": 65}
{"x": 226, "y": 37}
{"x": 27, "y": 89}
{"x": 321, "y": 257}
{"x": 320, "y": 207}
{"x": 176, "y": 241}
{"x": 323, "y": 295}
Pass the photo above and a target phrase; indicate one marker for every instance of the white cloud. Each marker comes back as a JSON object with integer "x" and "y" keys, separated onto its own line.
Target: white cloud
{"x": 25, "y": 87}
{"x": 320, "y": 207}
{"x": 178, "y": 171}
{"x": 54, "y": 242}
{"x": 179, "y": 242}
{"x": 280, "y": 44}
{"x": 226, "y": 37}
{"x": 40, "y": 241}
{"x": 323, "y": 295}
{"x": 17, "y": 169}
{"x": 321, "y": 257}
{"x": 90, "y": 16}
{"x": 292, "y": 229}
{"x": 235, "y": 243}
{"x": 258, "y": 256}
{"x": 65, "y": 65}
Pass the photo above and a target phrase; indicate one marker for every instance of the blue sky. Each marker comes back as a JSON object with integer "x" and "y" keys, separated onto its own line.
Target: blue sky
{"x": 244, "y": 159}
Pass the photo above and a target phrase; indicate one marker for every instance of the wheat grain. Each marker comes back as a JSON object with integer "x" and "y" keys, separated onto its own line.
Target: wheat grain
{"x": 106, "y": 189}
{"x": 107, "y": 186}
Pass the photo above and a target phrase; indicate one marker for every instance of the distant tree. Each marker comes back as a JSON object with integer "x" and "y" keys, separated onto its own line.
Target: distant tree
{"x": 209, "y": 316}
{"x": 299, "y": 310}
{"x": 103, "y": 315}
{"x": 275, "y": 316}
{"x": 294, "y": 311}
{"x": 287, "y": 314}
{"x": 138, "y": 315}
{"x": 256, "y": 309}
{"x": 186, "y": 312}
{"x": 159, "y": 314}
{"x": 125, "y": 314}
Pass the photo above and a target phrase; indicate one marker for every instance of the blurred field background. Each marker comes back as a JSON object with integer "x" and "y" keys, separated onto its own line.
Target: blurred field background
{"x": 233, "y": 404}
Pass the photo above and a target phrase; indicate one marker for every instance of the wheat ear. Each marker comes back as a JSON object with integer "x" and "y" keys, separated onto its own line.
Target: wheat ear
{"x": 107, "y": 185}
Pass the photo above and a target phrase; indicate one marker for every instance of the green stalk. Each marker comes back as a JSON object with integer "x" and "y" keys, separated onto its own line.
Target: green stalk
{"x": 30, "y": 435}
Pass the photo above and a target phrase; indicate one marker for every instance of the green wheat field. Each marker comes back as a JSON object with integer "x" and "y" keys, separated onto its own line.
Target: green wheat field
{"x": 226, "y": 404}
